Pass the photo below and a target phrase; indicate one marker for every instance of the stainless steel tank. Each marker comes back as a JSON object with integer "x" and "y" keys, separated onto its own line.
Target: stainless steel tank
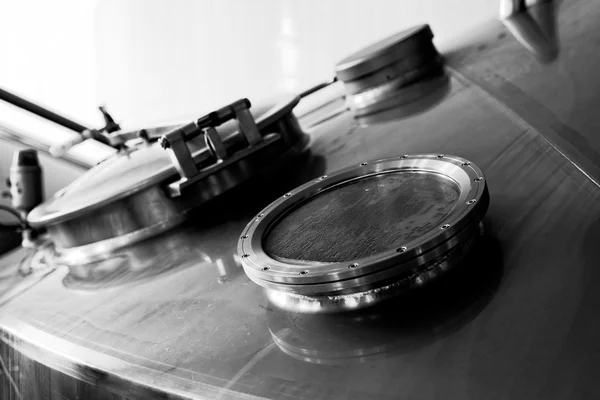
{"x": 177, "y": 314}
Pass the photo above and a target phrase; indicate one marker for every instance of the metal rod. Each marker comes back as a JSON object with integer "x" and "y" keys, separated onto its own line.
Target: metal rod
{"x": 40, "y": 111}
{"x": 9, "y": 134}
{"x": 317, "y": 87}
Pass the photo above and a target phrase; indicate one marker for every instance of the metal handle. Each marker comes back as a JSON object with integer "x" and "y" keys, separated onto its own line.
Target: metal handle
{"x": 175, "y": 142}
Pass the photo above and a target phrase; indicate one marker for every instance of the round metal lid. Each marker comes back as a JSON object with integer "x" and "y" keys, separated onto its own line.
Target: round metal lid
{"x": 364, "y": 224}
{"x": 406, "y": 44}
{"x": 129, "y": 172}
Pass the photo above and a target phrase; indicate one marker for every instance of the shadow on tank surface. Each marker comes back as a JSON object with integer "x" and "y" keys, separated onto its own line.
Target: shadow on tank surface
{"x": 411, "y": 321}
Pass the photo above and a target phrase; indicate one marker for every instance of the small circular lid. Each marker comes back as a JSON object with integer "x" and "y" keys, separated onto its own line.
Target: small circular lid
{"x": 406, "y": 44}
{"x": 129, "y": 172}
{"x": 364, "y": 224}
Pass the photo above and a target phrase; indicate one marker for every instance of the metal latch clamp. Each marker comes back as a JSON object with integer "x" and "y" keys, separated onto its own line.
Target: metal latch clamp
{"x": 175, "y": 144}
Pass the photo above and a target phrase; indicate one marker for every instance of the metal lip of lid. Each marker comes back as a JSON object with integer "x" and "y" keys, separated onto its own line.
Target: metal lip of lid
{"x": 321, "y": 278}
{"x": 400, "y": 94}
{"x": 387, "y": 51}
{"x": 125, "y": 174}
{"x": 371, "y": 295}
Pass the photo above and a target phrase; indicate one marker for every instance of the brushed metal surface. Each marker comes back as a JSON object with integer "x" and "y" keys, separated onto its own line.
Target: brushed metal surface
{"x": 212, "y": 336}
{"x": 552, "y": 96}
{"x": 363, "y": 218}
{"x": 133, "y": 215}
{"x": 200, "y": 331}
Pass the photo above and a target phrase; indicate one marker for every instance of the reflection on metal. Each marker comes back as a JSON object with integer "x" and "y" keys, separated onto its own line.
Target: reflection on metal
{"x": 128, "y": 198}
{"x": 389, "y": 73}
{"x": 535, "y": 29}
{"x": 426, "y": 273}
{"x": 42, "y": 257}
{"x": 125, "y": 221}
{"x": 107, "y": 372}
{"x": 409, "y": 322}
{"x": 428, "y": 93}
{"x": 227, "y": 266}
{"x": 156, "y": 256}
{"x": 362, "y": 235}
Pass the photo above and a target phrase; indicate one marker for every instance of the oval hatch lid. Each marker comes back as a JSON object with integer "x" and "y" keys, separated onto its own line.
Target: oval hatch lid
{"x": 129, "y": 172}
